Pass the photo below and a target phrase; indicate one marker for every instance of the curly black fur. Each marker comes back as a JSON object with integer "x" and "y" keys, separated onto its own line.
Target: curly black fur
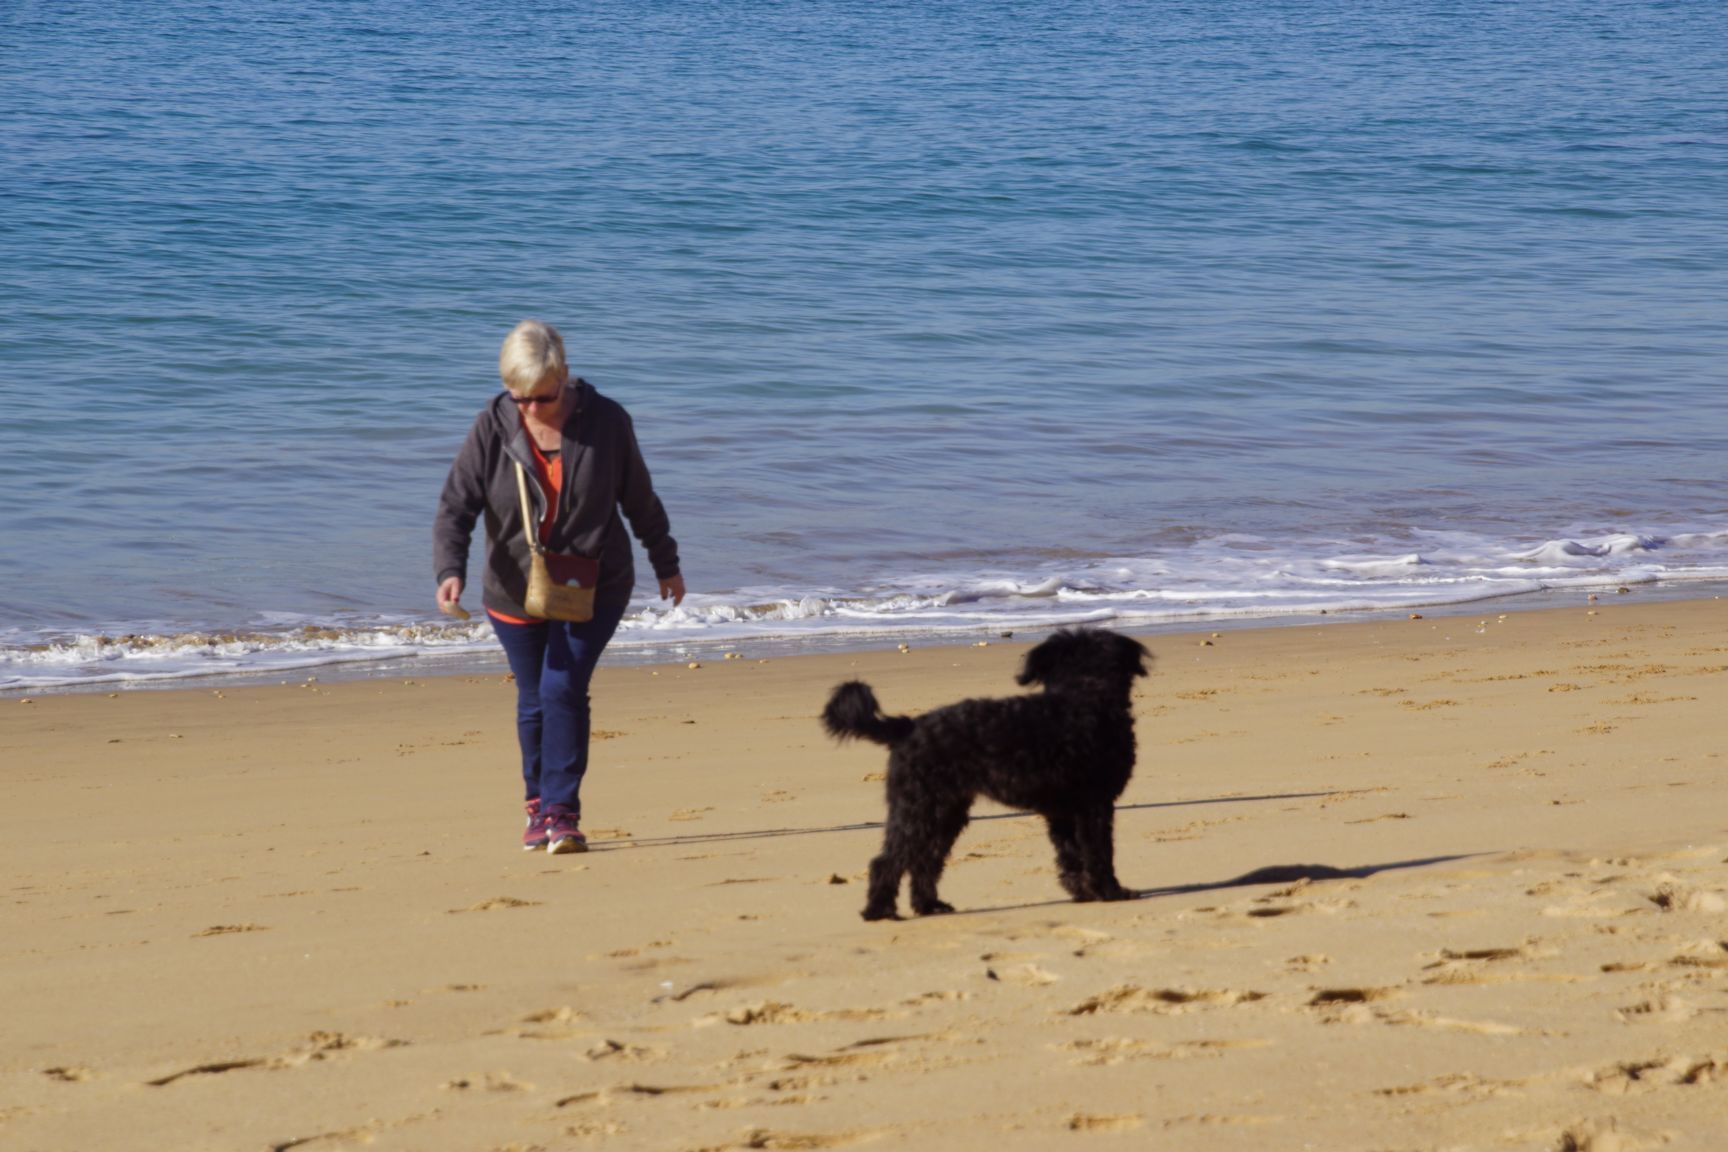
{"x": 1065, "y": 753}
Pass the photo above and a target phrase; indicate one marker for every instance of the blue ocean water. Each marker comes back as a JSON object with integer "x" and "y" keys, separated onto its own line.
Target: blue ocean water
{"x": 933, "y": 317}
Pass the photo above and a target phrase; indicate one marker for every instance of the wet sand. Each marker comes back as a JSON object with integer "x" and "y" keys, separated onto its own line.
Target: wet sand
{"x": 1425, "y": 884}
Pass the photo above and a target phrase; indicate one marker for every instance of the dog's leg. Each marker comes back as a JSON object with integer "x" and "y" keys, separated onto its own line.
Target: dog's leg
{"x": 885, "y": 872}
{"x": 930, "y": 855}
{"x": 1098, "y": 850}
{"x": 887, "y": 868}
{"x": 1069, "y": 868}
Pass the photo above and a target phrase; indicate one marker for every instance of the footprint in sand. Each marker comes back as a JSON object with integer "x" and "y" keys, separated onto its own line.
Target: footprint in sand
{"x": 1025, "y": 975}
{"x": 345, "y": 1138}
{"x": 1448, "y": 955}
{"x": 1213, "y": 1120}
{"x": 494, "y": 904}
{"x": 1448, "y": 1024}
{"x": 1087, "y": 1122}
{"x": 319, "y": 1046}
{"x": 1600, "y": 904}
{"x": 1636, "y": 1076}
{"x": 1673, "y": 896}
{"x": 767, "y": 1138}
{"x": 636, "y": 1091}
{"x": 230, "y": 930}
{"x": 1106, "y": 1051}
{"x": 1082, "y": 938}
{"x": 1113, "y": 1050}
{"x": 840, "y": 1059}
{"x": 1163, "y": 1001}
{"x": 563, "y": 1014}
{"x": 774, "y": 1012}
{"x": 1605, "y": 1136}
{"x": 1333, "y": 997}
{"x": 869, "y": 1059}
{"x": 1490, "y": 966}
{"x": 1706, "y": 954}
{"x": 1463, "y": 1084}
{"x": 595, "y": 1129}
{"x": 622, "y": 1053}
{"x": 1348, "y": 1005}
{"x": 1281, "y": 903}
{"x": 562, "y": 1023}
{"x": 491, "y": 1082}
{"x": 1661, "y": 1009}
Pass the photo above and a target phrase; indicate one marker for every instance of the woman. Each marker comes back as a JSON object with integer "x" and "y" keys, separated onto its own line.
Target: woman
{"x": 579, "y": 455}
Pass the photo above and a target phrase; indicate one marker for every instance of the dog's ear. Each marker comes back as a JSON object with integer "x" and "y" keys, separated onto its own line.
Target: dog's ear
{"x": 1134, "y": 656}
{"x": 1045, "y": 659}
{"x": 1031, "y": 669}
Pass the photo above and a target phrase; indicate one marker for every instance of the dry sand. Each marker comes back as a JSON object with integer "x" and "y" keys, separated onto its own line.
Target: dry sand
{"x": 297, "y": 917}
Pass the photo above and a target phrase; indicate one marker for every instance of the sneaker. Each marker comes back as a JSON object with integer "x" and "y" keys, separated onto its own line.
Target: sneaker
{"x": 562, "y": 835}
{"x": 534, "y": 835}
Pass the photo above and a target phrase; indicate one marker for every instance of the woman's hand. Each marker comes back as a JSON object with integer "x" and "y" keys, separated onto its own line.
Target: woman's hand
{"x": 449, "y": 592}
{"x": 673, "y": 586}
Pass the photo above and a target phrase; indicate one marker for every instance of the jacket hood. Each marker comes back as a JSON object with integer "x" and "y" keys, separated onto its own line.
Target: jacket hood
{"x": 504, "y": 410}
{"x": 505, "y": 416}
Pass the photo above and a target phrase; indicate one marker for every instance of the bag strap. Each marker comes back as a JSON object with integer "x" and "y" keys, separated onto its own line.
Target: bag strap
{"x": 534, "y": 544}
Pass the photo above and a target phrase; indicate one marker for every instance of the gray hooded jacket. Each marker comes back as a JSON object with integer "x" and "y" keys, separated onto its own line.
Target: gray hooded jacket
{"x": 603, "y": 473}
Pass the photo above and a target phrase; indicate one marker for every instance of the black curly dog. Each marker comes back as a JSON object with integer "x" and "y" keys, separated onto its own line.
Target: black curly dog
{"x": 1065, "y": 753}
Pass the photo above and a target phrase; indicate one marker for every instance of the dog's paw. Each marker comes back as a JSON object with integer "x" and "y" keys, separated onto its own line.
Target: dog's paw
{"x": 1076, "y": 886}
{"x": 1117, "y": 893}
{"x": 936, "y": 908}
{"x": 873, "y": 913}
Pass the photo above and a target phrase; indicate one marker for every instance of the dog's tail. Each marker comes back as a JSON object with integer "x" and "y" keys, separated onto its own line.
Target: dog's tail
{"x": 852, "y": 712}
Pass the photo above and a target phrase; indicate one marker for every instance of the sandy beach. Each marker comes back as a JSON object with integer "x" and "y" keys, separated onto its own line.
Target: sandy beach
{"x": 1418, "y": 884}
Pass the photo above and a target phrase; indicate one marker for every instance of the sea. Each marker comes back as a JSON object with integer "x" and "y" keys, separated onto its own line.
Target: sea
{"x": 937, "y": 320}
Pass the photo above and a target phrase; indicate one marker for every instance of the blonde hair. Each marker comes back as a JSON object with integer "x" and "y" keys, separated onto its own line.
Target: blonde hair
{"x": 532, "y": 352}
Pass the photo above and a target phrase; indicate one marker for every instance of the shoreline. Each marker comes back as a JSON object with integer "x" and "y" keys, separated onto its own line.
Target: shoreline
{"x": 1401, "y": 883}
{"x": 639, "y": 653}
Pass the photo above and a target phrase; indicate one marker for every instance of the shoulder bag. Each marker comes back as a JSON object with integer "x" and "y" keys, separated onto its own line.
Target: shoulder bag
{"x": 560, "y": 587}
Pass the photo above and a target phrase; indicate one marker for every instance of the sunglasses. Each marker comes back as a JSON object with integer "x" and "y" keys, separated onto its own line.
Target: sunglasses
{"x": 524, "y": 401}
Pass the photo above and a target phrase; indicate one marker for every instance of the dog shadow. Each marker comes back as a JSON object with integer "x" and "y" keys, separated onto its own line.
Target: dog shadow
{"x": 1270, "y": 874}
{"x": 876, "y": 825}
{"x": 1290, "y": 873}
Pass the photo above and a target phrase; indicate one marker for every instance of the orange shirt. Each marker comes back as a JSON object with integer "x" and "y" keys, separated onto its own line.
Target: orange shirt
{"x": 551, "y": 474}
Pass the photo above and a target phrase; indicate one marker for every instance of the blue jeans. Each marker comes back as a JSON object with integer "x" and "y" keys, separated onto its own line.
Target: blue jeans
{"x": 553, "y": 662}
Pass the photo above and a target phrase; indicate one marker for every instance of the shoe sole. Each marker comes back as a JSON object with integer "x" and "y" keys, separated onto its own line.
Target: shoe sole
{"x": 535, "y": 847}
{"x": 567, "y": 846}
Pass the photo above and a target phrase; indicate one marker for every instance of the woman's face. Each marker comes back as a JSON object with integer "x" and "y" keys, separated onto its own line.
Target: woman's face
{"x": 544, "y": 401}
